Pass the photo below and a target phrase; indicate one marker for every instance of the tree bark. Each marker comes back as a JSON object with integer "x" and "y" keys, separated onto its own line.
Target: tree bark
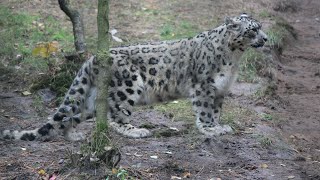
{"x": 77, "y": 24}
{"x": 103, "y": 60}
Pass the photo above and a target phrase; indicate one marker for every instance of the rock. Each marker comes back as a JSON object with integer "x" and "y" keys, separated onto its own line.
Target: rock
{"x": 46, "y": 95}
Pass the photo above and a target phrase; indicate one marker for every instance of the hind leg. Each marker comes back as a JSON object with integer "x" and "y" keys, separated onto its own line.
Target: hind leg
{"x": 78, "y": 104}
{"x": 124, "y": 93}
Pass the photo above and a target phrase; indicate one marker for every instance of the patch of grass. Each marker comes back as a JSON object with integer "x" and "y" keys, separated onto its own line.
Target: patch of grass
{"x": 233, "y": 115}
{"x": 121, "y": 174}
{"x": 99, "y": 141}
{"x": 279, "y": 33}
{"x": 145, "y": 12}
{"x": 265, "y": 91}
{"x": 266, "y": 117}
{"x": 179, "y": 30}
{"x": 37, "y": 103}
{"x": 286, "y": 5}
{"x": 21, "y": 32}
{"x": 236, "y": 116}
{"x": 264, "y": 14}
{"x": 265, "y": 141}
{"x": 58, "y": 80}
{"x": 13, "y": 27}
{"x": 180, "y": 110}
{"x": 251, "y": 63}
{"x": 276, "y": 36}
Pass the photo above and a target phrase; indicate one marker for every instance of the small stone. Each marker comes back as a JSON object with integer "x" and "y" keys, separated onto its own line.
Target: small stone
{"x": 168, "y": 152}
{"x": 264, "y": 166}
{"x": 61, "y": 161}
{"x": 19, "y": 57}
{"x": 154, "y": 157}
{"x": 107, "y": 148}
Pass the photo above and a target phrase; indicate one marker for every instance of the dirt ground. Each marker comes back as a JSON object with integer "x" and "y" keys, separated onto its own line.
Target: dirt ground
{"x": 293, "y": 154}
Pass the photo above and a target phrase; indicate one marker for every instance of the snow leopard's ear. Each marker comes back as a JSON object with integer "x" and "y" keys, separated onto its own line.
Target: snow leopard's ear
{"x": 231, "y": 24}
{"x": 245, "y": 15}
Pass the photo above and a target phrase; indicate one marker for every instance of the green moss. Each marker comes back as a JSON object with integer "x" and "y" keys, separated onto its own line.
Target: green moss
{"x": 178, "y": 110}
{"x": 15, "y": 28}
{"x": 236, "y": 116}
{"x": 21, "y": 32}
{"x": 264, "y": 14}
{"x": 252, "y": 62}
{"x": 265, "y": 141}
{"x": 280, "y": 33}
{"x": 179, "y": 30}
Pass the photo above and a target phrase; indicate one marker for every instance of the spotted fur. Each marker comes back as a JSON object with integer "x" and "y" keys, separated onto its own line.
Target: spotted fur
{"x": 201, "y": 68}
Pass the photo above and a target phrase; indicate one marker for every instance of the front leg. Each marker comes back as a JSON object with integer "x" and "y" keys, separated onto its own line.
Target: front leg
{"x": 207, "y": 107}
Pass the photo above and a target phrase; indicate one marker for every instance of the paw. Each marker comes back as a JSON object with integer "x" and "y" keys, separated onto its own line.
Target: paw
{"x": 217, "y": 130}
{"x": 130, "y": 131}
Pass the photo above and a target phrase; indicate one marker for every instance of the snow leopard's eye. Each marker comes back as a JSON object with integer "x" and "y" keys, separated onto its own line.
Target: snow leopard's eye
{"x": 251, "y": 34}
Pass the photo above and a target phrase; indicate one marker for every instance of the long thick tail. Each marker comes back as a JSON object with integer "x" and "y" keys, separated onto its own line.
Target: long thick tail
{"x": 78, "y": 105}
{"x": 45, "y": 132}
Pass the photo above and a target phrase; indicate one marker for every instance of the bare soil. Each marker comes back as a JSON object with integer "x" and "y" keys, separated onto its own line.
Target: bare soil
{"x": 294, "y": 152}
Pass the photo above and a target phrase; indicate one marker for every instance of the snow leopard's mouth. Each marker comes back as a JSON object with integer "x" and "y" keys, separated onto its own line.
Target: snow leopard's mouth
{"x": 258, "y": 44}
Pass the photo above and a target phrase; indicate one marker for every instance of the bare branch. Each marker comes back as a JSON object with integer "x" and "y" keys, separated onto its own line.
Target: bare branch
{"x": 77, "y": 23}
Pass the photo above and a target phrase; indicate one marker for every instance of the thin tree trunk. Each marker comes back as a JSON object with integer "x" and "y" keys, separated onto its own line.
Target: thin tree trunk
{"x": 77, "y": 24}
{"x": 103, "y": 60}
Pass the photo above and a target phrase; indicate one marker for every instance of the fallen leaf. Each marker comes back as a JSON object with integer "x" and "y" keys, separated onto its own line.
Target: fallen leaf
{"x": 42, "y": 172}
{"x": 94, "y": 159}
{"x": 45, "y": 49}
{"x": 264, "y": 166}
{"x": 26, "y": 93}
{"x": 137, "y": 155}
{"x": 173, "y": 128}
{"x": 114, "y": 171}
{"x": 291, "y": 177}
{"x": 115, "y": 38}
{"x": 186, "y": 175}
{"x": 175, "y": 177}
{"x": 113, "y": 32}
